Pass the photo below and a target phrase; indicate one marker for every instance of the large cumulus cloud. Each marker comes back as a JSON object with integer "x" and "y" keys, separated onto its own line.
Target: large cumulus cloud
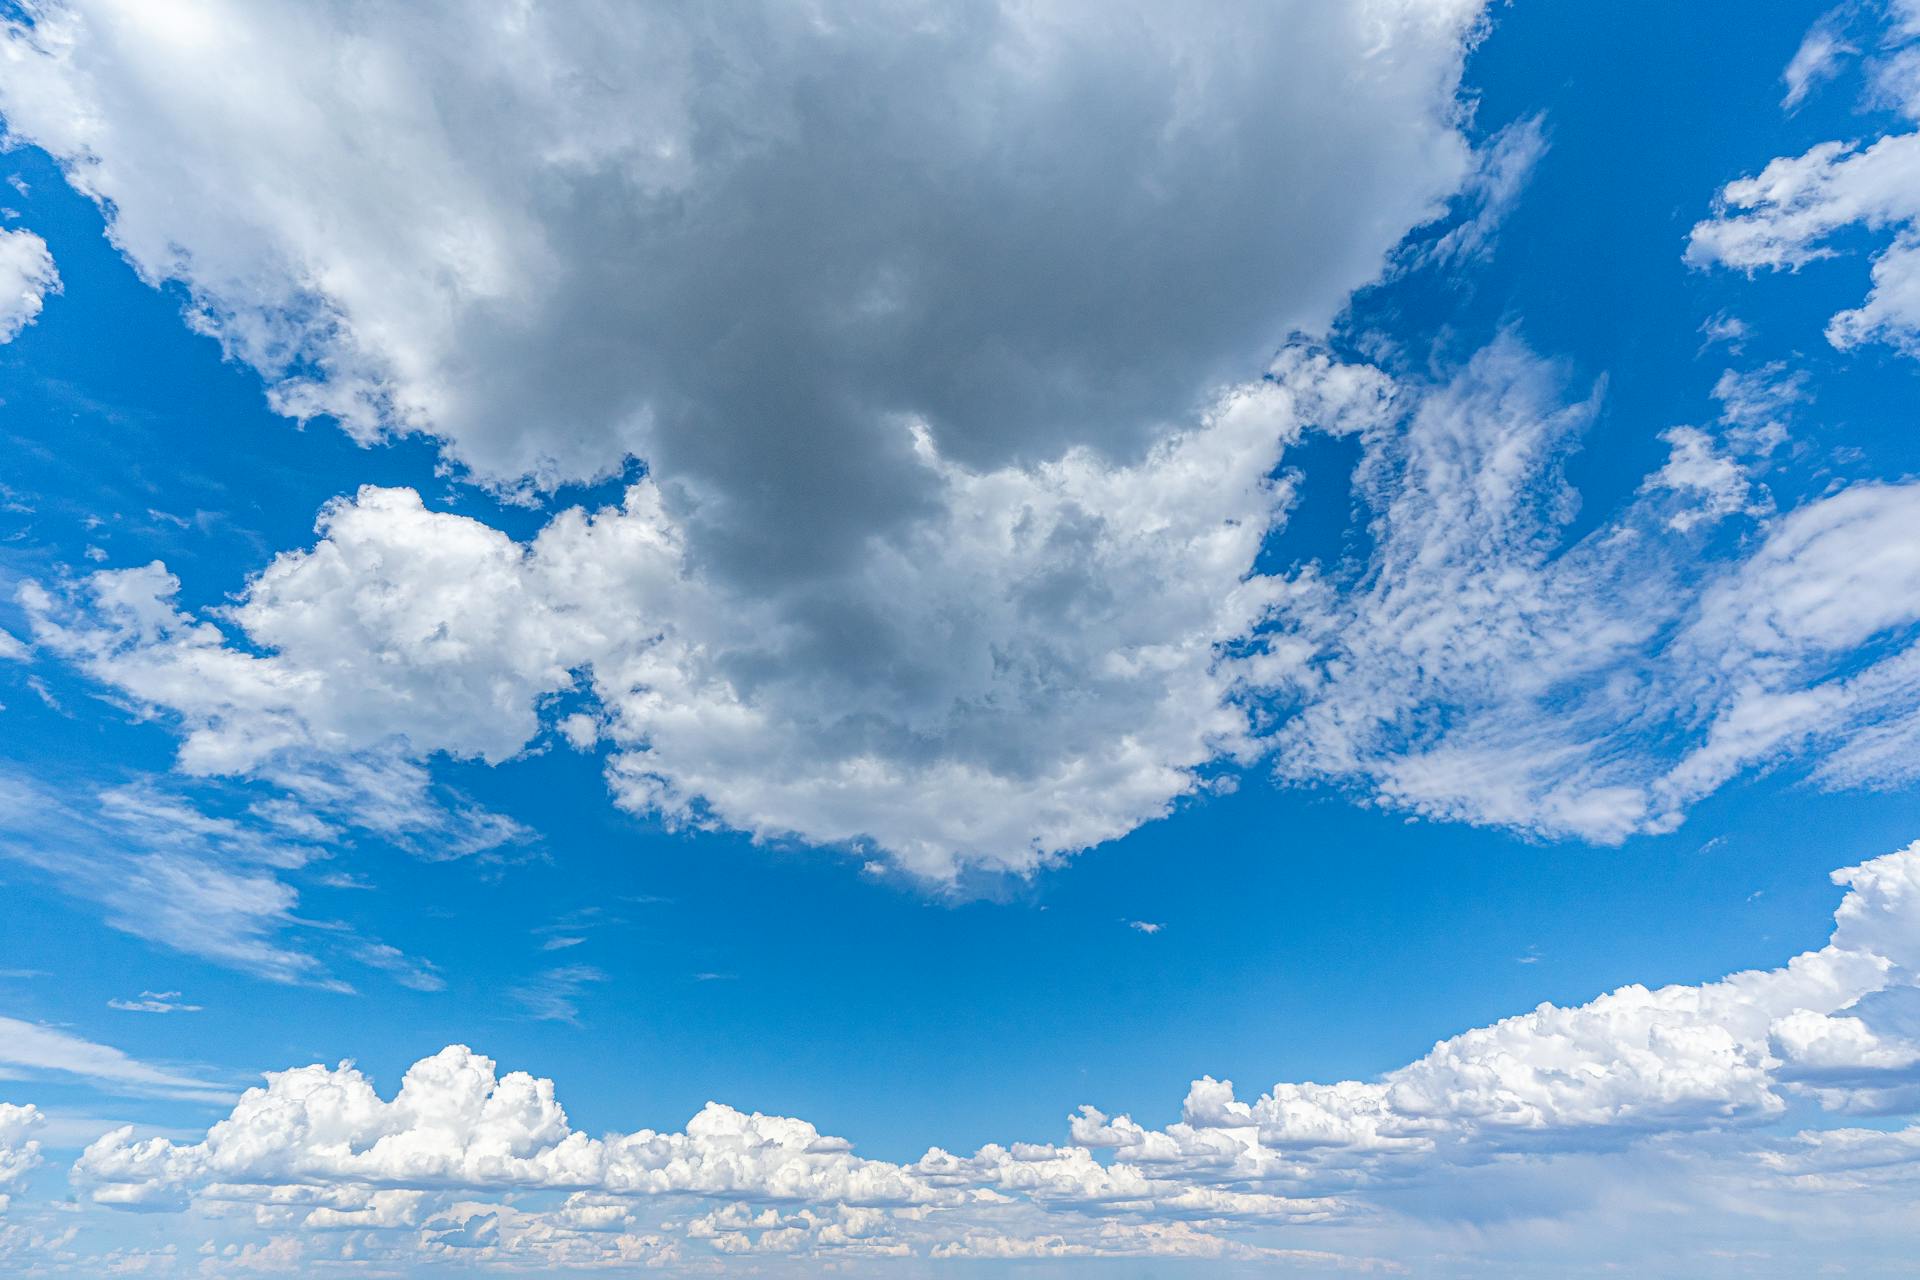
{"x": 1054, "y": 654}
{"x": 1045, "y": 659}
{"x": 746, "y": 241}
{"x": 937, "y": 329}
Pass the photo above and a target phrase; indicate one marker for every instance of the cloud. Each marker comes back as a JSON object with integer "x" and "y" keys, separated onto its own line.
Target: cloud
{"x": 553, "y": 995}
{"x": 1044, "y": 661}
{"x": 940, "y": 555}
{"x": 27, "y": 276}
{"x": 1818, "y": 59}
{"x": 165, "y": 867}
{"x": 1717, "y": 484}
{"x": 35, "y": 1049}
{"x": 1479, "y": 668}
{"x": 153, "y": 1002}
{"x": 1115, "y": 644}
{"x": 1636, "y": 1078}
{"x": 1145, "y": 926}
{"x": 1506, "y": 164}
{"x": 1757, "y": 404}
{"x": 943, "y": 519}
{"x": 409, "y": 971}
{"x": 163, "y": 872}
{"x": 703, "y": 241}
{"x": 19, "y": 1152}
{"x": 1790, "y": 213}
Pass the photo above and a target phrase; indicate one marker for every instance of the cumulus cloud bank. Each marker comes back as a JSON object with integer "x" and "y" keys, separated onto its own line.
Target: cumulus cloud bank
{"x": 433, "y": 1171}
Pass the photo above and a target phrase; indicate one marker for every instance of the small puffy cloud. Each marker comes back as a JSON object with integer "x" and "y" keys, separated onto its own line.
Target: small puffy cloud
{"x": 1791, "y": 212}
{"x": 1786, "y": 217}
{"x": 1717, "y": 484}
{"x": 27, "y": 276}
{"x": 1145, "y": 926}
{"x": 1757, "y": 404}
{"x": 1634, "y": 1080}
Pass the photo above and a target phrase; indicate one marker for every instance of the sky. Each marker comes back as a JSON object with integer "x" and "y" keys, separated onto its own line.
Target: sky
{"x": 959, "y": 639}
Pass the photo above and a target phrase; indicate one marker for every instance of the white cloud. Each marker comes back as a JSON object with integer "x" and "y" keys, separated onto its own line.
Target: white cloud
{"x": 34, "y": 1049}
{"x": 1717, "y": 483}
{"x": 1725, "y": 328}
{"x": 164, "y": 868}
{"x": 1756, "y": 405}
{"x": 27, "y": 276}
{"x": 553, "y": 995}
{"x": 153, "y": 1002}
{"x": 1789, "y": 214}
{"x": 19, "y": 1150}
{"x": 944, "y": 521}
{"x": 1050, "y": 643}
{"x": 1817, "y": 60}
{"x": 1480, "y": 669}
{"x": 1810, "y": 641}
{"x": 1066, "y": 650}
{"x": 1633, "y": 1077}
{"x": 1505, "y": 164}
{"x": 972, "y": 584}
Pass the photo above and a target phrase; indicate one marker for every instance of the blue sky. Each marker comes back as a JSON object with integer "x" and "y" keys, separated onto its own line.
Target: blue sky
{"x": 908, "y": 574}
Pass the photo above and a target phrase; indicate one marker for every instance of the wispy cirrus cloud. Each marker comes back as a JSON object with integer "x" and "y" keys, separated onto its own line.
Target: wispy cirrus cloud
{"x": 163, "y": 865}
{"x": 30, "y": 1050}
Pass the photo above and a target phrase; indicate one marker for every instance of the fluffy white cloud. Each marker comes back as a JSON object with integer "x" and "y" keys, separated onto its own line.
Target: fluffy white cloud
{"x": 19, "y": 1150}
{"x": 1055, "y": 654}
{"x": 27, "y": 276}
{"x": 945, "y": 522}
{"x": 1041, "y": 662}
{"x": 318, "y": 1150}
{"x": 1789, "y": 214}
{"x": 1716, "y": 482}
{"x": 942, "y": 552}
